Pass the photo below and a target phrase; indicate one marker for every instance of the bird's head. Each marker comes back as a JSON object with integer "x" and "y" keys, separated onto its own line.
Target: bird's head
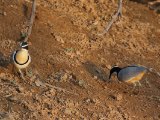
{"x": 116, "y": 69}
{"x": 24, "y": 45}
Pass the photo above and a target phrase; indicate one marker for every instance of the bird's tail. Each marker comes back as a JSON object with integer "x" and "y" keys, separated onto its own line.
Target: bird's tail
{"x": 152, "y": 70}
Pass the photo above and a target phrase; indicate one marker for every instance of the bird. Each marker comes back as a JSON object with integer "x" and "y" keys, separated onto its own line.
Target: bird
{"x": 129, "y": 74}
{"x": 21, "y": 58}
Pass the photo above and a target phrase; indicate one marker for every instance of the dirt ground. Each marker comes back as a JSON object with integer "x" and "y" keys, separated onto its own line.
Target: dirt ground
{"x": 68, "y": 75}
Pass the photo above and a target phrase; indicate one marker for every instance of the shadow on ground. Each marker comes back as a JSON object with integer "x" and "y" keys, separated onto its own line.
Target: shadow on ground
{"x": 4, "y": 62}
{"x": 96, "y": 71}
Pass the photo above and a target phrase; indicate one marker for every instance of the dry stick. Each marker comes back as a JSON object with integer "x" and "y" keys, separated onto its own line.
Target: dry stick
{"x": 31, "y": 21}
{"x": 114, "y": 18}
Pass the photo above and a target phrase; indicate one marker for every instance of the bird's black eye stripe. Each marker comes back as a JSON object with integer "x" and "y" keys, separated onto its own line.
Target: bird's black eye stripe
{"x": 24, "y": 45}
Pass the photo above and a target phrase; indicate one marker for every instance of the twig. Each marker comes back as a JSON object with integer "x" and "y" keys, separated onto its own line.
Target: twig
{"x": 114, "y": 18}
{"x": 60, "y": 89}
{"x": 31, "y": 21}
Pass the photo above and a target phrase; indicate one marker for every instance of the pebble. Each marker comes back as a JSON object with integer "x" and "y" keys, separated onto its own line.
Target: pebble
{"x": 3, "y": 13}
{"x": 68, "y": 111}
{"x": 109, "y": 66}
{"x": 95, "y": 77}
{"x": 39, "y": 83}
{"x": 2, "y": 75}
{"x": 82, "y": 83}
{"x": 117, "y": 97}
{"x": 59, "y": 39}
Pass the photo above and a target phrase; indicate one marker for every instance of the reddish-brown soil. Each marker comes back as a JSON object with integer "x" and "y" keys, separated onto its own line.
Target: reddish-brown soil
{"x": 68, "y": 75}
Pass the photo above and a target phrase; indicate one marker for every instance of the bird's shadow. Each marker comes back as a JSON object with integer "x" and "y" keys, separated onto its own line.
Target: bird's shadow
{"x": 96, "y": 71}
{"x": 4, "y": 62}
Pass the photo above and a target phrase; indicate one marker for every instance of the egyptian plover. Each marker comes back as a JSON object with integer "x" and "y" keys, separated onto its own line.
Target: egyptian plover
{"x": 129, "y": 74}
{"x": 21, "y": 58}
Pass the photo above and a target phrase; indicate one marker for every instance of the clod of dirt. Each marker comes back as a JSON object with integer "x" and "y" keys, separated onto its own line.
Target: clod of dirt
{"x": 61, "y": 76}
{"x": 3, "y": 13}
{"x": 20, "y": 89}
{"x": 68, "y": 111}
{"x": 80, "y": 83}
{"x": 71, "y": 111}
{"x": 59, "y": 39}
{"x": 90, "y": 100}
{"x": 109, "y": 67}
{"x": 50, "y": 93}
{"x": 9, "y": 117}
{"x": 2, "y": 75}
{"x": 117, "y": 97}
{"x": 39, "y": 83}
{"x": 12, "y": 98}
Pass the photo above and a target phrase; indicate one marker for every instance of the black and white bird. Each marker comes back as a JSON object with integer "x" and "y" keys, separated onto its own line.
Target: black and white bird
{"x": 21, "y": 57}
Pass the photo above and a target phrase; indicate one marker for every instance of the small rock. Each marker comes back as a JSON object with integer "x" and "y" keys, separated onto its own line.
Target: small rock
{"x": 68, "y": 111}
{"x": 88, "y": 100}
{"x": 95, "y": 77}
{"x": 96, "y": 101}
{"x": 33, "y": 78}
{"x": 82, "y": 83}
{"x": 39, "y": 83}
{"x": 51, "y": 93}
{"x": 59, "y": 39}
{"x": 2, "y": 75}
{"x": 117, "y": 97}
{"x": 109, "y": 67}
{"x": 20, "y": 89}
{"x": 94, "y": 115}
{"x": 64, "y": 77}
{"x": 78, "y": 53}
{"x": 58, "y": 119}
{"x": 12, "y": 98}
{"x": 4, "y": 13}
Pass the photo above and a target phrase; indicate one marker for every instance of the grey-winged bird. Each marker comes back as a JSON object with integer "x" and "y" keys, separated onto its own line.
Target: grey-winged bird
{"x": 130, "y": 74}
{"x": 21, "y": 57}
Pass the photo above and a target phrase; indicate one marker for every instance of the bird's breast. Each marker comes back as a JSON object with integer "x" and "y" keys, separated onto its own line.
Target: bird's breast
{"x": 131, "y": 74}
{"x": 135, "y": 78}
{"x": 21, "y": 57}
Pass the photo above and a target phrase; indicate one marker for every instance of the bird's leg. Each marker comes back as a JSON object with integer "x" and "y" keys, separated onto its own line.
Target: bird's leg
{"x": 147, "y": 82}
{"x": 21, "y": 74}
{"x": 16, "y": 71}
{"x": 28, "y": 72}
{"x": 134, "y": 86}
{"x": 139, "y": 84}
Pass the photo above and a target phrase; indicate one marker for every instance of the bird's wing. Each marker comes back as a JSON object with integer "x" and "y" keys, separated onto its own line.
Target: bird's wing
{"x": 130, "y": 72}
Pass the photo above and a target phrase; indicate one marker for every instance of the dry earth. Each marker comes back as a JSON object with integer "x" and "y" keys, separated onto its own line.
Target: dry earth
{"x": 68, "y": 76}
